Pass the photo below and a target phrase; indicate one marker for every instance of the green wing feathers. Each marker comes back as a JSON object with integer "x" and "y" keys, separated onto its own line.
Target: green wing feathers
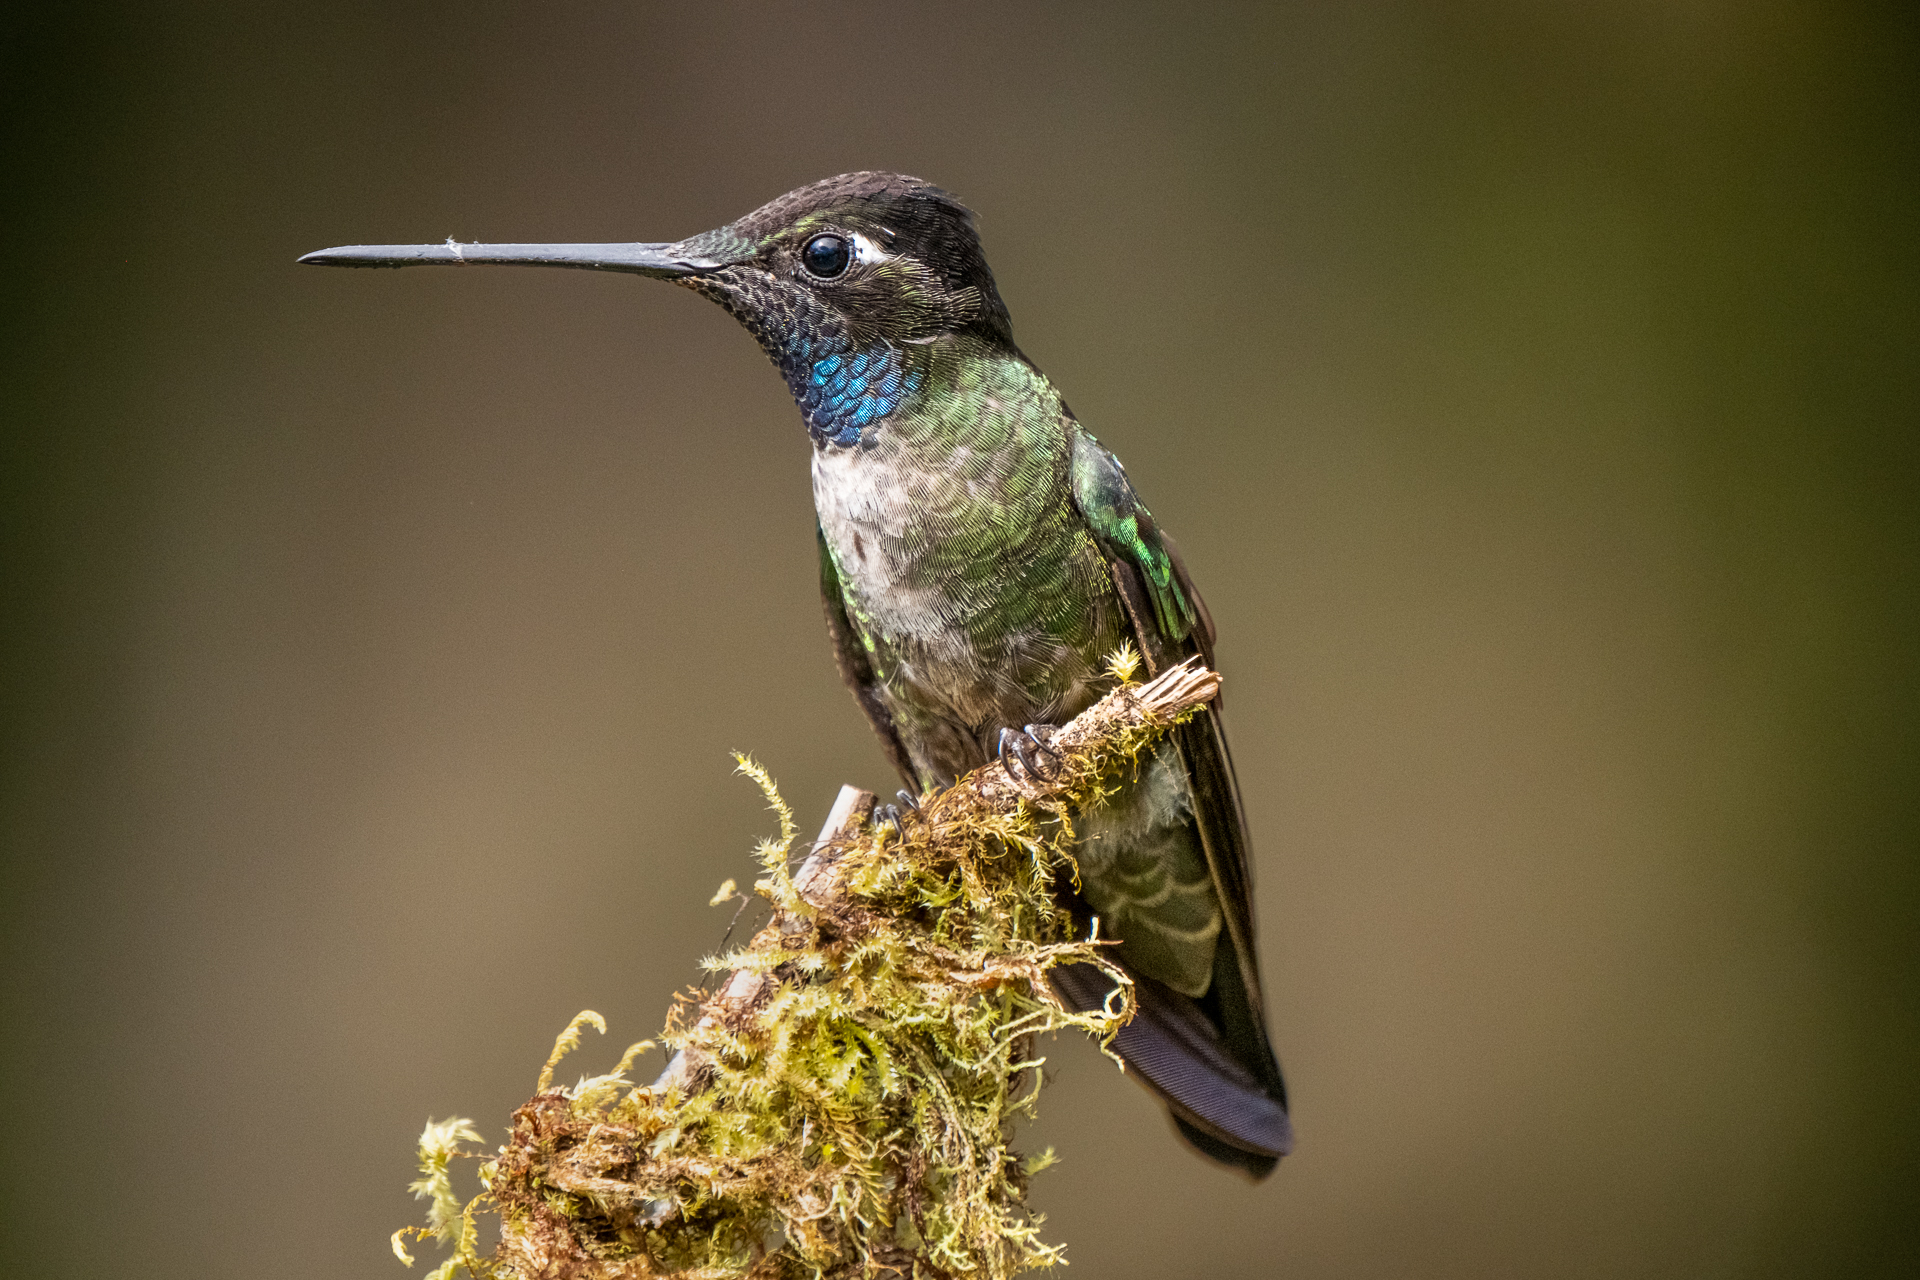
{"x": 1207, "y": 1054}
{"x": 1122, "y": 523}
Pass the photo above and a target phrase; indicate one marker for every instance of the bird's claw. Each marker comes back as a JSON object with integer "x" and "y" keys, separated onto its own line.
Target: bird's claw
{"x": 909, "y": 799}
{"x": 888, "y": 815}
{"x": 1028, "y": 747}
{"x": 1035, "y": 731}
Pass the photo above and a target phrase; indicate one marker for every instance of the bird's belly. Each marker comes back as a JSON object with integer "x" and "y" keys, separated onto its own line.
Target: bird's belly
{"x": 956, "y": 667}
{"x": 978, "y": 614}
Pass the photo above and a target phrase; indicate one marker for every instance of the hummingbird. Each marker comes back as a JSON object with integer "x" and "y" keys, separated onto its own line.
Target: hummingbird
{"x": 981, "y": 557}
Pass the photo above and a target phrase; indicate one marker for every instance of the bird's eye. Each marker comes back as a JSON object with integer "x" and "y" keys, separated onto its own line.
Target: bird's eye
{"x": 825, "y": 256}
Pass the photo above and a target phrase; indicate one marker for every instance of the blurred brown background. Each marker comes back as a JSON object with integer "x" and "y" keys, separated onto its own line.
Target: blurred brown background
{"x": 1532, "y": 388}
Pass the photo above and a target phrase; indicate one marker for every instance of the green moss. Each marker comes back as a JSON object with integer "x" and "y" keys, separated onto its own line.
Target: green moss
{"x": 845, "y": 1104}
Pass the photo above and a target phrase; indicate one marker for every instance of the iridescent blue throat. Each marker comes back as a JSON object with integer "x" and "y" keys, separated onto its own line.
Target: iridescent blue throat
{"x": 841, "y": 391}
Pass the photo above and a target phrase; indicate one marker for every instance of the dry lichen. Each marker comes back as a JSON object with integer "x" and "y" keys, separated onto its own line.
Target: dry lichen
{"x": 842, "y": 1106}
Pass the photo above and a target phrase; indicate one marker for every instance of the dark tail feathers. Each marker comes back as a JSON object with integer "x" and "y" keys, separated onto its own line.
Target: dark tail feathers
{"x": 1219, "y": 1106}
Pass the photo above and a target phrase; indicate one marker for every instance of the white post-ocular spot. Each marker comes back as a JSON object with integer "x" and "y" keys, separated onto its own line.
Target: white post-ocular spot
{"x": 866, "y": 249}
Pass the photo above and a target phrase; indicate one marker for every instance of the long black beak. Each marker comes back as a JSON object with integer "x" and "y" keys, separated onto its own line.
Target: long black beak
{"x": 663, "y": 261}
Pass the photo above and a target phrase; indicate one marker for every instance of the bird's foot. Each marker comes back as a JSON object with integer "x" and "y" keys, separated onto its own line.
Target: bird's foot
{"x": 893, "y": 815}
{"x": 1029, "y": 747}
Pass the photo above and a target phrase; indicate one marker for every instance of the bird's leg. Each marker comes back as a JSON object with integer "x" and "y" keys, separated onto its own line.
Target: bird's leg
{"x": 909, "y": 799}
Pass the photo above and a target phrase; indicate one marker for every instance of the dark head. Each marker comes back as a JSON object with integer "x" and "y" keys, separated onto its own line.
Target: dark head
{"x": 845, "y": 282}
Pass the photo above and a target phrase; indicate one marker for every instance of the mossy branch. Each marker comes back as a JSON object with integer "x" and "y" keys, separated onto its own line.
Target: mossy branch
{"x": 842, "y": 1105}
